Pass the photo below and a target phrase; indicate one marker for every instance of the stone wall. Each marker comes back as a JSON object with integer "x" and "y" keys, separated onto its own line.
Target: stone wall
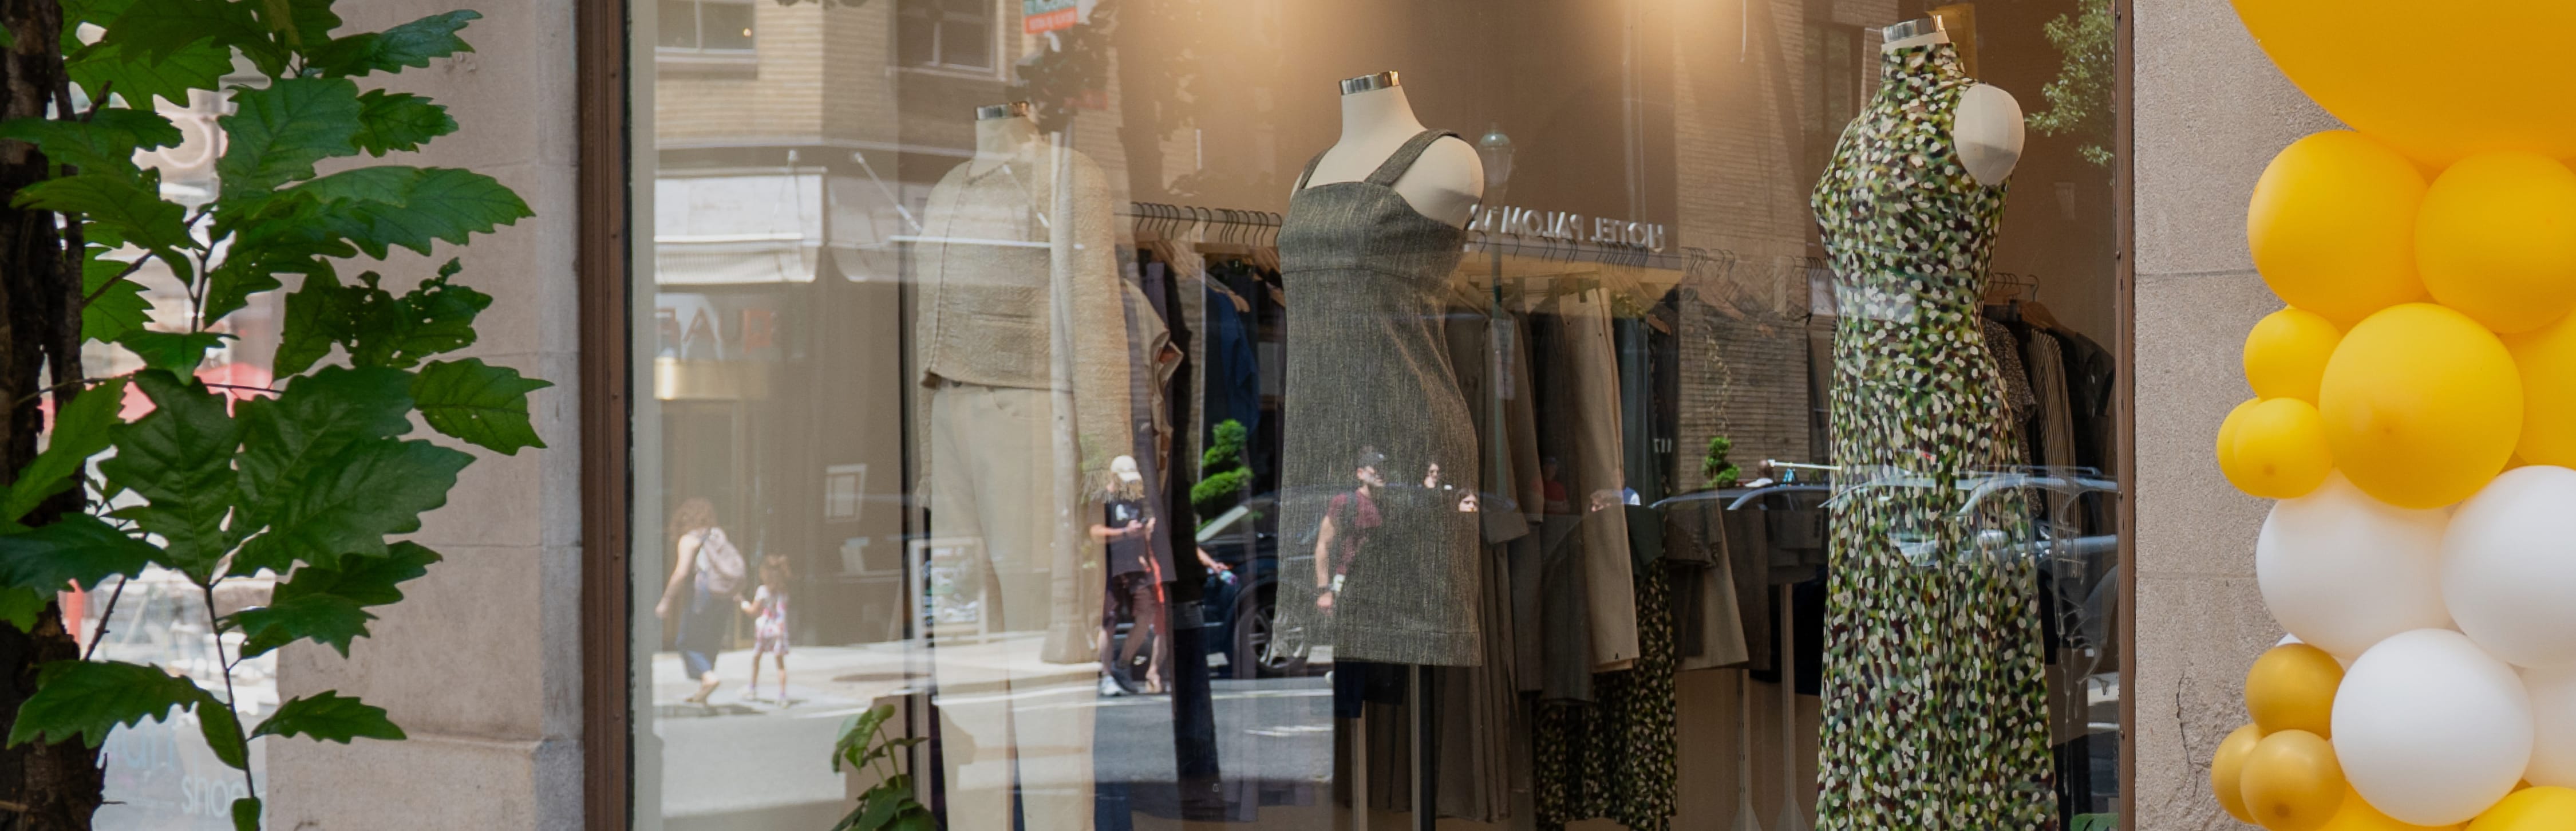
{"x": 481, "y": 662}
{"x": 2209, "y": 112}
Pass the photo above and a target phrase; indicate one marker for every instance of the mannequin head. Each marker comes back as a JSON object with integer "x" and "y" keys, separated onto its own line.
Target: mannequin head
{"x": 1004, "y": 132}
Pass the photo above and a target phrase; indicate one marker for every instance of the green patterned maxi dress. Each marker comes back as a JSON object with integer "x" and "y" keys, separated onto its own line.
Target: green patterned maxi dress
{"x": 1934, "y": 699}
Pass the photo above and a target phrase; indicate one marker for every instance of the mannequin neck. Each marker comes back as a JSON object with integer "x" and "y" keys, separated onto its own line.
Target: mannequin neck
{"x": 1376, "y": 114}
{"x": 1925, "y": 39}
{"x": 1001, "y": 141}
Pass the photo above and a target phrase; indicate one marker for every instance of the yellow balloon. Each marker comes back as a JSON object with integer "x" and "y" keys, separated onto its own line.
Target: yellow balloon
{"x": 2292, "y": 781}
{"x": 2422, "y": 406}
{"x": 2445, "y": 83}
{"x": 2332, "y": 226}
{"x": 2281, "y": 450}
{"x": 2357, "y": 815}
{"x": 2530, "y": 809}
{"x": 2292, "y": 687}
{"x": 2227, "y": 461}
{"x": 2285, "y": 355}
{"x": 2547, "y": 360}
{"x": 2497, "y": 240}
{"x": 2227, "y": 770}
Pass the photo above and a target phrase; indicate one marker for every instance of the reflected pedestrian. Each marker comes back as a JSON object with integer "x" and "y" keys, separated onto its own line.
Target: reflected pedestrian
{"x": 712, "y": 570}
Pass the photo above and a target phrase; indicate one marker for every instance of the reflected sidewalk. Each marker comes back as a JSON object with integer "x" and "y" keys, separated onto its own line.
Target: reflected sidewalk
{"x": 828, "y": 679}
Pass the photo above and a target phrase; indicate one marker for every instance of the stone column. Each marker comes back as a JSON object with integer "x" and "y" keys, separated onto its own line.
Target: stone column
{"x": 2210, "y": 111}
{"x": 481, "y": 662}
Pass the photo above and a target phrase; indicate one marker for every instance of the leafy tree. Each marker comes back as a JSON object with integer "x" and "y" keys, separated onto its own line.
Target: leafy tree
{"x": 1223, "y": 475}
{"x": 1714, "y": 467}
{"x": 2079, "y": 101}
{"x": 306, "y": 481}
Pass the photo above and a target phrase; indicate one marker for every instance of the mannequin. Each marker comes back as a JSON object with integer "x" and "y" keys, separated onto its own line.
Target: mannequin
{"x": 1022, "y": 345}
{"x": 1987, "y": 126}
{"x": 1934, "y": 676}
{"x": 1376, "y": 119}
{"x": 1380, "y": 462}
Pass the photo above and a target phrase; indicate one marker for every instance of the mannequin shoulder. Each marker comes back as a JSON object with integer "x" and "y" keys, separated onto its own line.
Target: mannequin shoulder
{"x": 1988, "y": 130}
{"x": 1446, "y": 182}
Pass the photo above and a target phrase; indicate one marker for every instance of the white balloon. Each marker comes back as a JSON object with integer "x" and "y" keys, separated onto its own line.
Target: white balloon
{"x": 2509, "y": 566}
{"x": 2430, "y": 729}
{"x": 2342, "y": 570}
{"x": 2553, "y": 722}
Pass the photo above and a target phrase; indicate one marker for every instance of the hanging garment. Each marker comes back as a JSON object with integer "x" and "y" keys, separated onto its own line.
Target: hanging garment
{"x": 2053, "y": 426}
{"x": 1935, "y": 715}
{"x": 1579, "y": 410}
{"x": 1615, "y": 758}
{"x": 1232, "y": 373}
{"x": 1369, "y": 385}
{"x": 1708, "y": 625}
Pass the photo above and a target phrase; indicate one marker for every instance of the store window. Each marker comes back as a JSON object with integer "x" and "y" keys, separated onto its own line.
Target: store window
{"x": 706, "y": 25}
{"x": 946, "y": 34}
{"x": 1709, "y": 413}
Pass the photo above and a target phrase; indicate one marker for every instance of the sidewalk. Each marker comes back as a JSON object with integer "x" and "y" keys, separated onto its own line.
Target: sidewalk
{"x": 843, "y": 679}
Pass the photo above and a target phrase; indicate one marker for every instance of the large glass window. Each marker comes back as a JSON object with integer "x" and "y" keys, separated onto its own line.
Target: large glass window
{"x": 1166, "y": 427}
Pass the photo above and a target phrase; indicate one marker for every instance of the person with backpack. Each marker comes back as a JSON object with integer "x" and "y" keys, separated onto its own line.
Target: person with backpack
{"x": 713, "y": 570}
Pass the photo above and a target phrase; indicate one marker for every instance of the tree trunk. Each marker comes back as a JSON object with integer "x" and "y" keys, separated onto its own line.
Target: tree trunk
{"x": 42, "y": 787}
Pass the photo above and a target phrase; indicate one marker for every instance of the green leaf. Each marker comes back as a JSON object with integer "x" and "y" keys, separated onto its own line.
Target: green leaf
{"x": 914, "y": 817}
{"x": 858, "y": 731}
{"x": 330, "y": 717}
{"x": 380, "y": 207}
{"x": 121, "y": 308}
{"x": 78, "y": 549}
{"x": 179, "y": 458}
{"x": 882, "y": 801}
{"x": 108, "y": 69}
{"x": 327, "y": 603}
{"x": 275, "y": 134}
{"x": 325, "y": 619}
{"x": 366, "y": 581}
{"x": 222, "y": 728}
{"x": 178, "y": 352}
{"x": 86, "y": 699}
{"x": 319, "y": 314}
{"x": 246, "y": 814}
{"x": 154, "y": 30}
{"x": 485, "y": 405}
{"x": 378, "y": 328}
{"x": 352, "y": 501}
{"x": 284, "y": 234}
{"x": 103, "y": 142}
{"x": 299, "y": 22}
{"x": 20, "y": 606}
{"x": 80, "y": 431}
{"x": 412, "y": 44}
{"x": 129, "y": 207}
{"x": 392, "y": 121}
{"x": 287, "y": 438}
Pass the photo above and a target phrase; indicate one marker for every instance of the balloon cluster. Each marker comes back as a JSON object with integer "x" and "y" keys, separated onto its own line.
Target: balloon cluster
{"x": 2415, "y": 414}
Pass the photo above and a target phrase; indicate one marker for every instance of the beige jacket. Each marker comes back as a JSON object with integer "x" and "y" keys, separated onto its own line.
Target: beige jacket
{"x": 1019, "y": 287}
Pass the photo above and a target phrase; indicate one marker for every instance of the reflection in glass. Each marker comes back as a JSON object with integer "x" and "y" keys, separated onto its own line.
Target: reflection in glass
{"x": 1154, "y": 483}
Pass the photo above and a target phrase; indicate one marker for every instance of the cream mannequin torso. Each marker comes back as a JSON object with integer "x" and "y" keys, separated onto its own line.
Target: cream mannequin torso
{"x": 1444, "y": 184}
{"x": 1987, "y": 128}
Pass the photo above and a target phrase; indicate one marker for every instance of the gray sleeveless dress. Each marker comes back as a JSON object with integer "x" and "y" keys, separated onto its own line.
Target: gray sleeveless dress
{"x": 1368, "y": 373}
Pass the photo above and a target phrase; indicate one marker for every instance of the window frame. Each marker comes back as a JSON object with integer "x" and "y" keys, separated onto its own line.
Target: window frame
{"x": 992, "y": 21}
{"x": 698, "y": 34}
